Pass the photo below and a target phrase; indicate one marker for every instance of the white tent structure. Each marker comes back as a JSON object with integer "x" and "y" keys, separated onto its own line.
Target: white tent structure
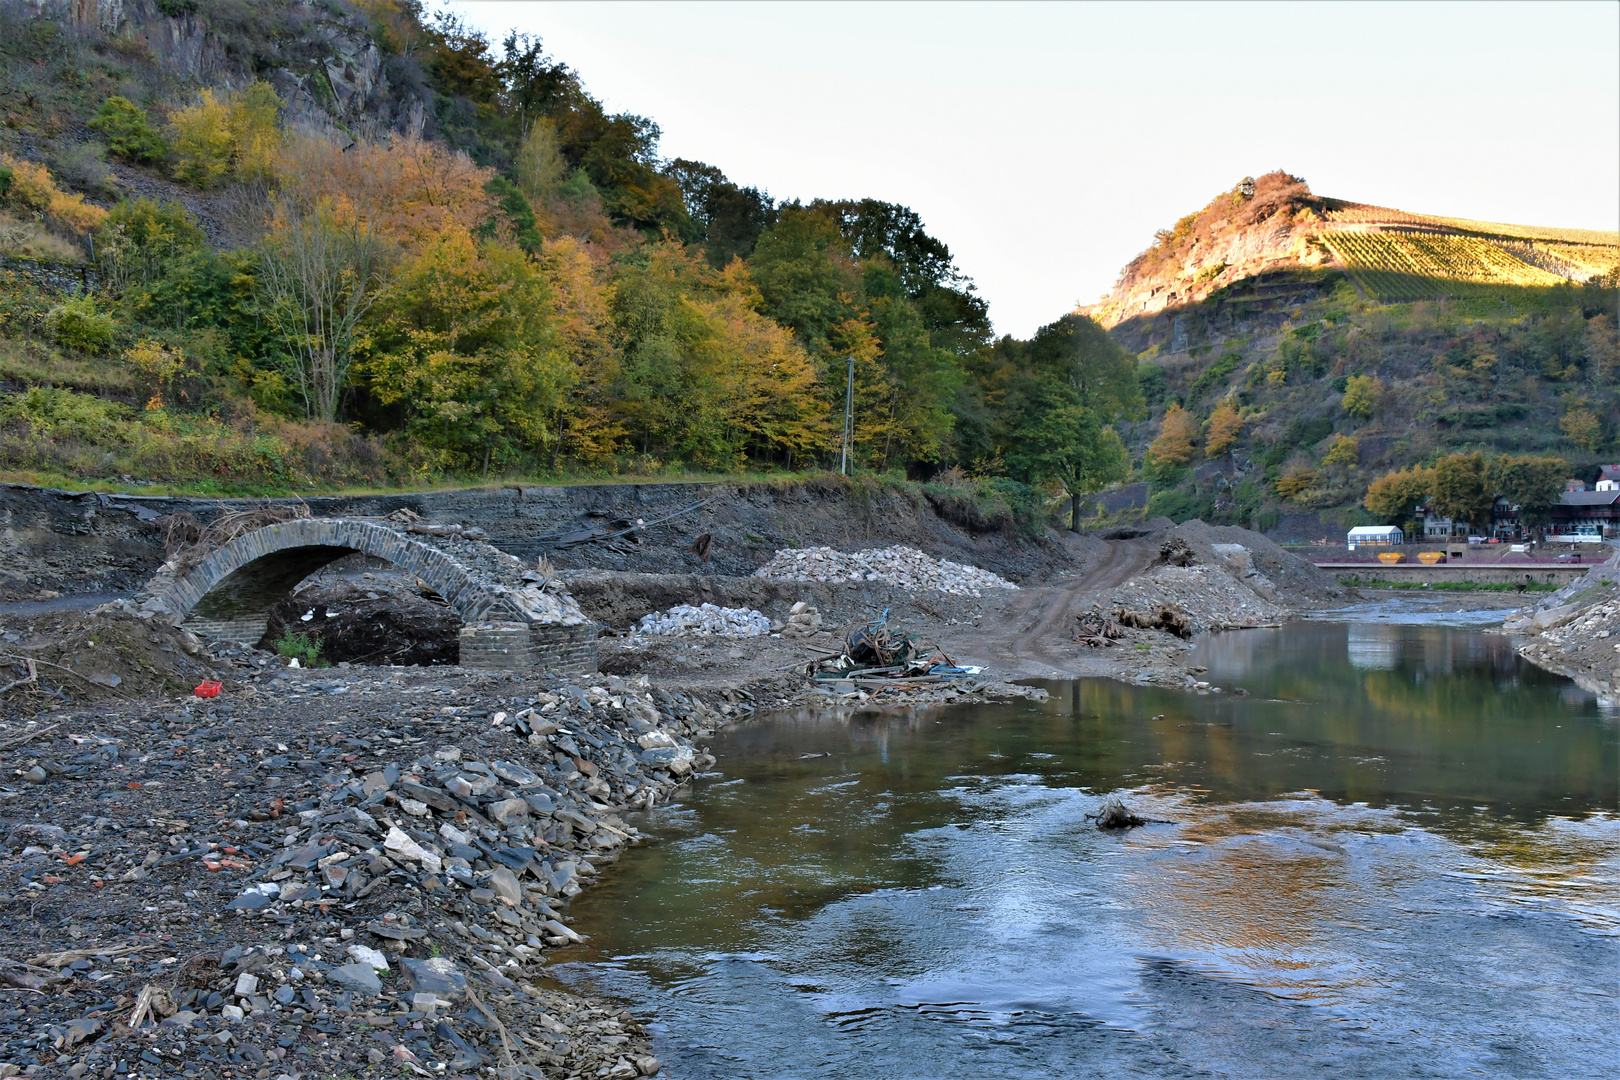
{"x": 1376, "y": 536}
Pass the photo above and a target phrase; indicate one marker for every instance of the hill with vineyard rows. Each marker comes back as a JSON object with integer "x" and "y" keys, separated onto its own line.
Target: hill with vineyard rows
{"x": 1294, "y": 348}
{"x": 1275, "y": 224}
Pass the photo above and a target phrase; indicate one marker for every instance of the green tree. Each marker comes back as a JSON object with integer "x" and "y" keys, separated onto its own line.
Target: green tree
{"x": 128, "y": 132}
{"x": 1460, "y": 489}
{"x": 1078, "y": 384}
{"x": 1533, "y": 484}
{"x": 463, "y": 343}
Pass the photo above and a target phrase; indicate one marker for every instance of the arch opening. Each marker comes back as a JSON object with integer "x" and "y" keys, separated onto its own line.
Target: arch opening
{"x": 366, "y": 611}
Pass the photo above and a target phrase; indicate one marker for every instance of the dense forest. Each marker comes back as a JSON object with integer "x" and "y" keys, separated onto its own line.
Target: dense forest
{"x": 381, "y": 249}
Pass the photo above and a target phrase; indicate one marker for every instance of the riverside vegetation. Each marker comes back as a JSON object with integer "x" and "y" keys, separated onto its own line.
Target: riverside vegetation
{"x": 448, "y": 261}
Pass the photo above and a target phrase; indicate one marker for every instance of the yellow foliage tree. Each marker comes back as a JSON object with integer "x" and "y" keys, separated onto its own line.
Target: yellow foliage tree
{"x": 1582, "y": 426}
{"x": 1222, "y": 431}
{"x": 407, "y": 189}
{"x": 237, "y": 136}
{"x": 32, "y": 188}
{"x": 591, "y": 430}
{"x": 1363, "y": 396}
{"x": 1174, "y": 446}
{"x": 1296, "y": 483}
{"x": 1394, "y": 496}
{"x": 1343, "y": 451}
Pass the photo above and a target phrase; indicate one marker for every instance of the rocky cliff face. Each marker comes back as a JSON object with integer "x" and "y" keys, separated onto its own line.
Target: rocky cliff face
{"x": 322, "y": 59}
{"x": 1260, "y": 225}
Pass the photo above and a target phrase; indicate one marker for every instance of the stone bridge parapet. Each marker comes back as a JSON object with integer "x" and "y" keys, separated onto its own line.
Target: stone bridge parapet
{"x": 510, "y": 618}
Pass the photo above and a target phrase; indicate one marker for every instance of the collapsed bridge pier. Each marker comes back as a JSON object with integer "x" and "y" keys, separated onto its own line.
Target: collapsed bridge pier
{"x": 513, "y": 618}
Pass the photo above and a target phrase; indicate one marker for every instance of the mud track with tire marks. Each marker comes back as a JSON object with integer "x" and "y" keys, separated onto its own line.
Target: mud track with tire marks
{"x": 1029, "y": 636}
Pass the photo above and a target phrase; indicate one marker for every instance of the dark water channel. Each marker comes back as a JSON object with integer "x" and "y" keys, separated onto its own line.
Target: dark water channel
{"x": 1398, "y": 856}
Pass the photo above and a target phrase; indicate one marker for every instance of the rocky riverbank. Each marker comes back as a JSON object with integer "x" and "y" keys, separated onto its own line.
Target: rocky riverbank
{"x": 1575, "y": 632}
{"x": 329, "y": 871}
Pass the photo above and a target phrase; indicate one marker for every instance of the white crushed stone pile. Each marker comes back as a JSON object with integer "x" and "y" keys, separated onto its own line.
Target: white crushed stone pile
{"x": 706, "y": 620}
{"x": 901, "y": 566}
{"x": 1212, "y": 598}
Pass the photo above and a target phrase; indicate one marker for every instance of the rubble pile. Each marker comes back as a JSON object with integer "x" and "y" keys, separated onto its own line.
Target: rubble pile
{"x": 706, "y": 620}
{"x": 348, "y": 870}
{"x": 1579, "y": 641}
{"x": 900, "y": 566}
{"x": 1200, "y": 597}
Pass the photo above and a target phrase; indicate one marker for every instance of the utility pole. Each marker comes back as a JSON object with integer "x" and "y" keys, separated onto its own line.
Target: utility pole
{"x": 846, "y": 460}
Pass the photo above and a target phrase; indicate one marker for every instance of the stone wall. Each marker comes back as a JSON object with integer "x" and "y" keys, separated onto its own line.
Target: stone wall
{"x": 536, "y": 647}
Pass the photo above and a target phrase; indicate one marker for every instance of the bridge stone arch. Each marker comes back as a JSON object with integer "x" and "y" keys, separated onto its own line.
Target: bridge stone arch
{"x": 507, "y": 622}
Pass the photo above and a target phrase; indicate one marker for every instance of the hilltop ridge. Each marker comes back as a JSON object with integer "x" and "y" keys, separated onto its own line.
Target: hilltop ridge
{"x": 1274, "y": 224}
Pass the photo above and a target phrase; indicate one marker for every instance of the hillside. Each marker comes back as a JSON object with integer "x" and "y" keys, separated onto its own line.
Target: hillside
{"x": 1274, "y": 225}
{"x": 1294, "y": 348}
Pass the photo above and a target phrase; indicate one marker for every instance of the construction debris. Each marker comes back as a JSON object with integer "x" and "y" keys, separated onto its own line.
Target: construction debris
{"x": 901, "y": 566}
{"x": 706, "y": 620}
{"x": 877, "y": 656}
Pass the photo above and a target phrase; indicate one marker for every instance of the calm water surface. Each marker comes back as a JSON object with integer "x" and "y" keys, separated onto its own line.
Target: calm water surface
{"x": 1399, "y": 855}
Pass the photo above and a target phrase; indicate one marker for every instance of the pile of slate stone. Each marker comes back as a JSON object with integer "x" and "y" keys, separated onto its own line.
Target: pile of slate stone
{"x": 326, "y": 885}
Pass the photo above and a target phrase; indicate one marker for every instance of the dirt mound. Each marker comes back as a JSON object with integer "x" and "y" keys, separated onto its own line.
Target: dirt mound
{"x": 1295, "y": 581}
{"x": 369, "y": 624}
{"x": 81, "y": 656}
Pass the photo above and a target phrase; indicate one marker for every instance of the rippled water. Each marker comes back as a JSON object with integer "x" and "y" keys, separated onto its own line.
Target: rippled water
{"x": 1399, "y": 855}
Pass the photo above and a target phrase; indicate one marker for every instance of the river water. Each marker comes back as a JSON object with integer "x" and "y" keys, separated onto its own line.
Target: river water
{"x": 1398, "y": 855}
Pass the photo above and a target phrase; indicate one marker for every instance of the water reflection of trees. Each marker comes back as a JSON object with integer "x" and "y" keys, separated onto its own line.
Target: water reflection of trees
{"x": 1455, "y": 722}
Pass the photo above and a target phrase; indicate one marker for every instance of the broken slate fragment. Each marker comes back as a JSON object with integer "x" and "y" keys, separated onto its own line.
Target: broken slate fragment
{"x": 436, "y": 975}
{"x": 514, "y": 773}
{"x": 505, "y": 885}
{"x": 252, "y": 901}
{"x": 358, "y": 977}
{"x": 398, "y": 843}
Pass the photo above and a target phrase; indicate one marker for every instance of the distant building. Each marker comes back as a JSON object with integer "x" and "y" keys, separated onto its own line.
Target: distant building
{"x": 1608, "y": 478}
{"x": 1375, "y": 536}
{"x": 1439, "y": 527}
{"x": 1505, "y": 520}
{"x": 1586, "y": 513}
{"x": 1573, "y": 484}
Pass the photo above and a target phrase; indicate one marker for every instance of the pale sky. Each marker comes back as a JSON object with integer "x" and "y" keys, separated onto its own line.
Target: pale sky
{"x": 1044, "y": 143}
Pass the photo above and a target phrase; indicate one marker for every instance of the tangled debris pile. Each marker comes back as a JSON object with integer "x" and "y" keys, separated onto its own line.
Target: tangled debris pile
{"x": 1095, "y": 629}
{"x": 375, "y": 622}
{"x": 877, "y": 657}
{"x": 901, "y": 566}
{"x": 1166, "y": 617}
{"x": 236, "y": 886}
{"x": 1116, "y": 815}
{"x": 706, "y": 620}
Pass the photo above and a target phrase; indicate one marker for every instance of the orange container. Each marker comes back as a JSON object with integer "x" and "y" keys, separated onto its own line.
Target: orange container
{"x": 1390, "y": 558}
{"x": 1429, "y": 558}
{"x": 209, "y": 688}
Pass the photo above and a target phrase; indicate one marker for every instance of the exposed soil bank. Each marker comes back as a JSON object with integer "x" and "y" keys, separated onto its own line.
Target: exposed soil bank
{"x": 66, "y": 542}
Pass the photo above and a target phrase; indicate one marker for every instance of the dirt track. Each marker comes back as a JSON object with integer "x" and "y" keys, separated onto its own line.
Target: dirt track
{"x": 1029, "y": 635}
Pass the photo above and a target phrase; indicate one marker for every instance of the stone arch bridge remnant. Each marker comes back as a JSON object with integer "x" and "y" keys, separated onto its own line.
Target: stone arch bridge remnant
{"x": 511, "y": 620}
